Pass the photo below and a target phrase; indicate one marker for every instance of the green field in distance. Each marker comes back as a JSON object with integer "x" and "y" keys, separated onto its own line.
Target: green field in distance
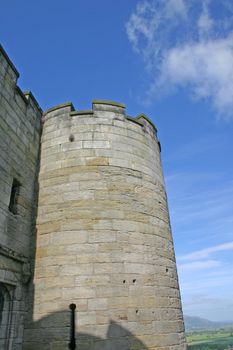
{"x": 219, "y": 339}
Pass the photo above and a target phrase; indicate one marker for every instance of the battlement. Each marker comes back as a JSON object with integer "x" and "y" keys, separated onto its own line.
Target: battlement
{"x": 102, "y": 108}
{"x": 8, "y": 82}
{"x": 6, "y": 65}
{"x": 110, "y": 106}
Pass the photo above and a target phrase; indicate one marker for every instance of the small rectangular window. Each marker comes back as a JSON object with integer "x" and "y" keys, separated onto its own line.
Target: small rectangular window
{"x": 15, "y": 189}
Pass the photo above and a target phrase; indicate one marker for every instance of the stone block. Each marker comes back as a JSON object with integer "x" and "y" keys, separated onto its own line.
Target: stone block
{"x": 78, "y": 293}
{"x": 97, "y": 304}
{"x": 77, "y": 269}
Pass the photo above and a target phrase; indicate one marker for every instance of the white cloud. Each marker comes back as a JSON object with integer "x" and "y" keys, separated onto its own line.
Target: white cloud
{"x": 184, "y": 44}
{"x": 198, "y": 265}
{"x": 205, "y": 23}
{"x": 139, "y": 26}
{"x": 205, "y": 253}
{"x": 175, "y": 8}
{"x": 206, "y": 67}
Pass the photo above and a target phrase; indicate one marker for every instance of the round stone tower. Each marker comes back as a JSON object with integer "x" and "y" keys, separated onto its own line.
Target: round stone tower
{"x": 103, "y": 236}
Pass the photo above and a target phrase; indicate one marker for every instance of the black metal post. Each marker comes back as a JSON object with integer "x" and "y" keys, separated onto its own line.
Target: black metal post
{"x": 72, "y": 344}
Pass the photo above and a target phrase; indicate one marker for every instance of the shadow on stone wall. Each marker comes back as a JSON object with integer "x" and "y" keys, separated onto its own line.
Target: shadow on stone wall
{"x": 53, "y": 333}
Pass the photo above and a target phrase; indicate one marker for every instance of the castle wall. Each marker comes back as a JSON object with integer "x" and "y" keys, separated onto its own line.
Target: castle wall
{"x": 104, "y": 240}
{"x": 19, "y": 151}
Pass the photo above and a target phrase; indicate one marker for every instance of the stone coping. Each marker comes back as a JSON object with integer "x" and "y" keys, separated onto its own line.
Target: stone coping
{"x": 21, "y": 93}
{"x": 3, "y": 52}
{"x": 29, "y": 95}
{"x": 83, "y": 112}
{"x": 134, "y": 120}
{"x": 137, "y": 119}
{"x": 26, "y": 97}
{"x": 62, "y": 105}
{"x": 108, "y": 102}
{"x": 142, "y": 115}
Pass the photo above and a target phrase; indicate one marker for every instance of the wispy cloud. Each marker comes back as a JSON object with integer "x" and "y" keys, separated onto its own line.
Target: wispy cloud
{"x": 206, "y": 67}
{"x": 201, "y": 215}
{"x": 196, "y": 147}
{"x": 198, "y": 265}
{"x": 205, "y": 253}
{"x": 201, "y": 201}
{"x": 187, "y": 44}
{"x": 214, "y": 281}
{"x": 205, "y": 281}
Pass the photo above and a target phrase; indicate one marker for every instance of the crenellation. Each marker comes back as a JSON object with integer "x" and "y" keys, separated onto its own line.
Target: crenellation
{"x": 6, "y": 61}
{"x": 111, "y": 113}
{"x": 82, "y": 113}
{"x": 60, "y": 109}
{"x": 32, "y": 102}
{"x": 20, "y": 99}
{"x": 108, "y": 106}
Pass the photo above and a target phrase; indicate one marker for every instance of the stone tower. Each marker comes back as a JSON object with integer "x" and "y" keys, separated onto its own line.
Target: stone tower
{"x": 103, "y": 236}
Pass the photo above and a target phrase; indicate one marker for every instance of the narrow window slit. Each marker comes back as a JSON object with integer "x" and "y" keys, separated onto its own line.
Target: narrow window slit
{"x": 15, "y": 190}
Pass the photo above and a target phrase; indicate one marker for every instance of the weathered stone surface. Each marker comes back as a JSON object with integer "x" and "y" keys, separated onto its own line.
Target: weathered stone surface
{"x": 103, "y": 207}
{"x": 19, "y": 154}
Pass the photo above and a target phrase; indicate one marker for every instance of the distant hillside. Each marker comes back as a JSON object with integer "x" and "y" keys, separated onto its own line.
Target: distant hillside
{"x": 197, "y": 323}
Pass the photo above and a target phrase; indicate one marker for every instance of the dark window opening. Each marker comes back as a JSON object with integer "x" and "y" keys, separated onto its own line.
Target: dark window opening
{"x": 14, "y": 197}
{"x": 71, "y": 138}
{"x": 5, "y": 315}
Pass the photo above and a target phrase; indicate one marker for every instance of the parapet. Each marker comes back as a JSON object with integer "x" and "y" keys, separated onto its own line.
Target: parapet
{"x": 107, "y": 105}
{"x": 108, "y": 109}
{"x": 6, "y": 65}
{"x": 8, "y": 82}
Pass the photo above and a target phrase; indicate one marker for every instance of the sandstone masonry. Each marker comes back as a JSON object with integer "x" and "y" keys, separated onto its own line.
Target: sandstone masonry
{"x": 19, "y": 159}
{"x": 103, "y": 237}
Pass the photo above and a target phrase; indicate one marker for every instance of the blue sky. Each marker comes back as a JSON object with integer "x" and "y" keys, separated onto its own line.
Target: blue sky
{"x": 172, "y": 60}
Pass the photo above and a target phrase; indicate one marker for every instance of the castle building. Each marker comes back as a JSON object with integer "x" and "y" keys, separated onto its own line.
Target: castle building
{"x": 84, "y": 221}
